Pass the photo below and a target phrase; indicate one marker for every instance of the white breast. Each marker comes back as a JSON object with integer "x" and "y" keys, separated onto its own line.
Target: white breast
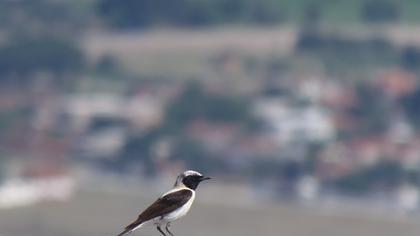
{"x": 180, "y": 212}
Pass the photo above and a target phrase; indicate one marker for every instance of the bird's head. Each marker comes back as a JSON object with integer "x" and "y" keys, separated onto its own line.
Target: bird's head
{"x": 190, "y": 179}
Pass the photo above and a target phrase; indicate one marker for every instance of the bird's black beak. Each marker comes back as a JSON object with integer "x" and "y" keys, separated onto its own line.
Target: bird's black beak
{"x": 204, "y": 178}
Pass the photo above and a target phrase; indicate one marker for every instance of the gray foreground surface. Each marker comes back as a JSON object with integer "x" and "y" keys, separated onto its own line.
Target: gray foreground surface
{"x": 104, "y": 214}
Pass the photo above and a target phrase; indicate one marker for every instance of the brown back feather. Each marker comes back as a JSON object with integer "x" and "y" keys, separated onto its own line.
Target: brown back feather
{"x": 164, "y": 205}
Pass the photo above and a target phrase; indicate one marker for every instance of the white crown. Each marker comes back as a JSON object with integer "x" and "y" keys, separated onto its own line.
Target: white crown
{"x": 191, "y": 172}
{"x": 178, "y": 181}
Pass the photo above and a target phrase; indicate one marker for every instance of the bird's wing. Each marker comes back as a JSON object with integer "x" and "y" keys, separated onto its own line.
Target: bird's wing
{"x": 164, "y": 205}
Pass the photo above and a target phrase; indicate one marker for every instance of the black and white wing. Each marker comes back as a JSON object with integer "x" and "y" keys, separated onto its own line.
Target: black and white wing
{"x": 161, "y": 207}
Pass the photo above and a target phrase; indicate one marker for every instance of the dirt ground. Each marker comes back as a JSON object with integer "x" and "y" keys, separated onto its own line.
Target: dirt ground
{"x": 105, "y": 214}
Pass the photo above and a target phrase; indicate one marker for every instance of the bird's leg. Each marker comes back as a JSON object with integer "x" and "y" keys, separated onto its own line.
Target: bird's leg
{"x": 160, "y": 230}
{"x": 167, "y": 229}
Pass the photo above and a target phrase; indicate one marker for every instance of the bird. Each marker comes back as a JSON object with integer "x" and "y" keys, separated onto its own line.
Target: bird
{"x": 171, "y": 206}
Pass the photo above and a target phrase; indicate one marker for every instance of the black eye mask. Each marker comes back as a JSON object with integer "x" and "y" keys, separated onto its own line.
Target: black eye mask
{"x": 192, "y": 181}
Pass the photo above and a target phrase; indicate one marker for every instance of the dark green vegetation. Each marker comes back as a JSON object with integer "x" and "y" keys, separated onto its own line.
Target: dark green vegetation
{"x": 22, "y": 58}
{"x": 195, "y": 103}
{"x": 132, "y": 13}
{"x": 411, "y": 105}
{"x": 149, "y": 13}
{"x": 383, "y": 176}
{"x": 345, "y": 56}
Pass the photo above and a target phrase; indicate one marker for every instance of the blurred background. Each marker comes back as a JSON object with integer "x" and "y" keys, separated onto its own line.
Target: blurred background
{"x": 306, "y": 113}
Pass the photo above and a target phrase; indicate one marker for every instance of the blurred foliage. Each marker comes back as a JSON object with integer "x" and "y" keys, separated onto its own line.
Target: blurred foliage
{"x": 194, "y": 155}
{"x": 195, "y": 103}
{"x": 139, "y": 148}
{"x": 107, "y": 65}
{"x": 312, "y": 156}
{"x": 40, "y": 17}
{"x": 371, "y": 111}
{"x": 2, "y": 166}
{"x": 410, "y": 104}
{"x": 381, "y": 176}
{"x": 410, "y": 58}
{"x": 346, "y": 56}
{"x": 380, "y": 11}
{"x": 266, "y": 168}
{"x": 22, "y": 58}
{"x": 146, "y": 13}
{"x": 7, "y": 119}
{"x": 104, "y": 122}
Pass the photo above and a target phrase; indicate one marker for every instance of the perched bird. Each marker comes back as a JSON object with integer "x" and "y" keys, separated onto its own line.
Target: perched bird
{"x": 170, "y": 206}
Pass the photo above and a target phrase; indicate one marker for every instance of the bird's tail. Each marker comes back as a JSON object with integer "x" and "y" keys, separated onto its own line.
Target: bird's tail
{"x": 130, "y": 228}
{"x": 125, "y": 232}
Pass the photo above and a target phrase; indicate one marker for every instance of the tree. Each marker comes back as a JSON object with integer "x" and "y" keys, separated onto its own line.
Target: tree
{"x": 410, "y": 103}
{"x": 384, "y": 175}
{"x": 195, "y": 103}
{"x": 149, "y": 13}
{"x": 379, "y": 11}
{"x": 371, "y": 110}
{"x": 193, "y": 154}
{"x": 40, "y": 17}
{"x": 24, "y": 57}
{"x": 410, "y": 58}
{"x": 139, "y": 148}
